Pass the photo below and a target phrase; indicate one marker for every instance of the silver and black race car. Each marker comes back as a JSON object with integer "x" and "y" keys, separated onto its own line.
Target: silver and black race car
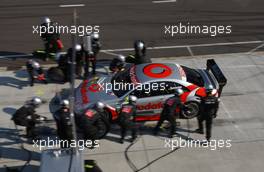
{"x": 152, "y": 84}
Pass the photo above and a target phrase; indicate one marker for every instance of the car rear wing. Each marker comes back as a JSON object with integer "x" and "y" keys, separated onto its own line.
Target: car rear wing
{"x": 217, "y": 72}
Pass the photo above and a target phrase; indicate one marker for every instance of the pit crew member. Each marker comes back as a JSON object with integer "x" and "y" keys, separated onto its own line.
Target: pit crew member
{"x": 140, "y": 54}
{"x": 26, "y": 116}
{"x": 208, "y": 111}
{"x": 126, "y": 118}
{"x": 90, "y": 57}
{"x": 64, "y": 125}
{"x": 32, "y": 68}
{"x": 171, "y": 106}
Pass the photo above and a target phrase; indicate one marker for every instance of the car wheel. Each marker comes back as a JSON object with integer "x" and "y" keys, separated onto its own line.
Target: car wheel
{"x": 103, "y": 127}
{"x": 191, "y": 111}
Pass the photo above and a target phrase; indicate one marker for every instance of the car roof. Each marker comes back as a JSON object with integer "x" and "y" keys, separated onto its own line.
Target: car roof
{"x": 174, "y": 71}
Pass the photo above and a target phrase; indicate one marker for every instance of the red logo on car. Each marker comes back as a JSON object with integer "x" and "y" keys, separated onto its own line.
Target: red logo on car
{"x": 150, "y": 106}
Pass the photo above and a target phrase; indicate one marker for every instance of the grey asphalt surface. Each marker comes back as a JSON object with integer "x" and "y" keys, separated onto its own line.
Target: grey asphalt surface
{"x": 240, "y": 119}
{"x": 123, "y": 21}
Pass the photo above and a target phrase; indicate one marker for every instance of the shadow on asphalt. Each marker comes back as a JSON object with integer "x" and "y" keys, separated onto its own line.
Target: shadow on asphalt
{"x": 15, "y": 168}
{"x": 9, "y": 110}
{"x": 146, "y": 130}
{"x": 12, "y": 82}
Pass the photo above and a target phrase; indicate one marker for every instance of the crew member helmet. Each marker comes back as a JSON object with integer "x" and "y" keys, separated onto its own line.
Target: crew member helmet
{"x": 121, "y": 58}
{"x": 65, "y": 103}
{"x": 78, "y": 47}
{"x": 132, "y": 99}
{"x": 35, "y": 65}
{"x": 95, "y": 36}
{"x": 36, "y": 101}
{"x": 46, "y": 20}
{"x": 100, "y": 105}
{"x": 210, "y": 90}
{"x": 178, "y": 92}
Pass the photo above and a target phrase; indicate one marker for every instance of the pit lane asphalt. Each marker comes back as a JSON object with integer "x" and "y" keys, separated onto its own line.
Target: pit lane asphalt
{"x": 123, "y": 21}
{"x": 240, "y": 119}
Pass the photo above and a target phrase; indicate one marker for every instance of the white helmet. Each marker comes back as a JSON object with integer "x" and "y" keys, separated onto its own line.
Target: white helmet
{"x": 178, "y": 91}
{"x": 35, "y": 65}
{"x": 36, "y": 101}
{"x": 78, "y": 47}
{"x": 46, "y": 20}
{"x": 139, "y": 45}
{"x": 95, "y": 36}
{"x": 132, "y": 98}
{"x": 121, "y": 58}
{"x": 100, "y": 105}
{"x": 65, "y": 103}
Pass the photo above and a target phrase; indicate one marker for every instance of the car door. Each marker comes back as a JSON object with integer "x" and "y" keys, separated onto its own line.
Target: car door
{"x": 149, "y": 103}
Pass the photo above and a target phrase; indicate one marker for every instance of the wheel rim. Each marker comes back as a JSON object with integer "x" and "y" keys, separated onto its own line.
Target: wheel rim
{"x": 192, "y": 111}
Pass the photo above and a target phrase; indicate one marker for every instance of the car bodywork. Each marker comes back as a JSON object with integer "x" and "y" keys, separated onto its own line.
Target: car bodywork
{"x": 150, "y": 102}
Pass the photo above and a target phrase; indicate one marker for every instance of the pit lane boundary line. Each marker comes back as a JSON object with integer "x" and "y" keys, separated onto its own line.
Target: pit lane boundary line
{"x": 185, "y": 46}
{"x": 164, "y": 1}
{"x": 154, "y": 48}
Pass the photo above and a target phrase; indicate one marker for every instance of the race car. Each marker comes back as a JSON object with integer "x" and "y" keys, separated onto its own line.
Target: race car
{"x": 152, "y": 84}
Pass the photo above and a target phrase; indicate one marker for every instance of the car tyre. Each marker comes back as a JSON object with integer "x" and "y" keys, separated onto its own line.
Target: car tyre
{"x": 192, "y": 110}
{"x": 103, "y": 127}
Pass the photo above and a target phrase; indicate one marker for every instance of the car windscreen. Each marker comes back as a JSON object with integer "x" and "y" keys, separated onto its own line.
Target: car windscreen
{"x": 121, "y": 83}
{"x": 193, "y": 76}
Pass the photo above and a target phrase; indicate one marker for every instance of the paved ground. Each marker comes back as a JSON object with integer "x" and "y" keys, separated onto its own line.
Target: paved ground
{"x": 123, "y": 21}
{"x": 240, "y": 119}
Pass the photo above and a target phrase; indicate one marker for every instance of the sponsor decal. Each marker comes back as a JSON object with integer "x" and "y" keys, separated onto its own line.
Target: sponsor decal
{"x": 150, "y": 106}
{"x": 89, "y": 113}
{"x": 127, "y": 109}
{"x": 133, "y": 76}
{"x": 84, "y": 91}
{"x": 167, "y": 71}
{"x": 94, "y": 88}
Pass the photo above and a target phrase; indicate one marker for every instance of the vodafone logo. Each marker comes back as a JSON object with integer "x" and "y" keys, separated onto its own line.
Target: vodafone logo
{"x": 94, "y": 88}
{"x": 150, "y": 106}
{"x": 148, "y": 70}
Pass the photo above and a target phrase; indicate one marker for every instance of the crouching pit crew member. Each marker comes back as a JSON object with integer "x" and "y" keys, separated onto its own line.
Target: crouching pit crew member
{"x": 117, "y": 64}
{"x": 91, "y": 121}
{"x": 26, "y": 116}
{"x": 126, "y": 119}
{"x": 64, "y": 125}
{"x": 32, "y": 68}
{"x": 171, "y": 109}
{"x": 208, "y": 110}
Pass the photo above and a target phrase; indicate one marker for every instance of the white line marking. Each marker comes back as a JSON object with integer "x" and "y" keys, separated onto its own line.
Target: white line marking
{"x": 165, "y": 1}
{"x": 184, "y": 46}
{"x": 110, "y": 53}
{"x": 190, "y": 51}
{"x": 253, "y": 50}
{"x": 231, "y": 117}
{"x": 156, "y": 48}
{"x": 72, "y": 5}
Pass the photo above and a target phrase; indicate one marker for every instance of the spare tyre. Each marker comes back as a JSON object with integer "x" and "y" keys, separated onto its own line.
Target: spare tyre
{"x": 56, "y": 74}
